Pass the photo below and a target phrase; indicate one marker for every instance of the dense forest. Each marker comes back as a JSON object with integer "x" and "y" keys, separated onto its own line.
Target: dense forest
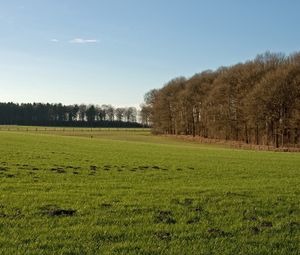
{"x": 68, "y": 115}
{"x": 255, "y": 102}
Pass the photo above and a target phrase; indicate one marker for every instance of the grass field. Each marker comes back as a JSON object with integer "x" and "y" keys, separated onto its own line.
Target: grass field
{"x": 84, "y": 191}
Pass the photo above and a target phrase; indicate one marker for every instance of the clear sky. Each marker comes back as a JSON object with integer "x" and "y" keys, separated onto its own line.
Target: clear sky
{"x": 113, "y": 51}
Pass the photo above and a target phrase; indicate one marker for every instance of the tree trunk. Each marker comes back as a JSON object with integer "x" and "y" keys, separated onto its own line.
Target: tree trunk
{"x": 257, "y": 135}
{"x": 267, "y": 133}
{"x": 296, "y": 138}
{"x": 193, "y": 127}
{"x": 276, "y": 136}
{"x": 246, "y": 133}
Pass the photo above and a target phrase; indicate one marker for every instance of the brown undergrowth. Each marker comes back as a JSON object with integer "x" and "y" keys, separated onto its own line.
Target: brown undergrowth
{"x": 235, "y": 144}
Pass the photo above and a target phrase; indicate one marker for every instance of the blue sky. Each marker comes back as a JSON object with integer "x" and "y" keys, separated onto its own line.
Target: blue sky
{"x": 113, "y": 51}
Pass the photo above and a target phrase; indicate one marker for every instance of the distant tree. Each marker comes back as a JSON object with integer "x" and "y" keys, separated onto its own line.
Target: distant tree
{"x": 110, "y": 112}
{"x": 105, "y": 112}
{"x": 130, "y": 114}
{"x": 62, "y": 115}
{"x": 145, "y": 114}
{"x": 119, "y": 112}
{"x": 72, "y": 111}
{"x": 91, "y": 113}
{"x": 98, "y": 113}
{"x": 82, "y": 112}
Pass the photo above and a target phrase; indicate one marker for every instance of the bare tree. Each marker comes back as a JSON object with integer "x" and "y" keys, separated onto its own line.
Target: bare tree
{"x": 119, "y": 112}
{"x": 255, "y": 102}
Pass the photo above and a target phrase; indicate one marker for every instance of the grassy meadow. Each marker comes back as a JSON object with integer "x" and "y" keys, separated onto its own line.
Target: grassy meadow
{"x": 113, "y": 191}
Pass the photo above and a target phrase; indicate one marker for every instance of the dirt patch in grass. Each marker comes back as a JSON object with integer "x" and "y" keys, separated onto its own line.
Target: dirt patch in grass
{"x": 13, "y": 213}
{"x": 249, "y": 216}
{"x": 107, "y": 167}
{"x": 235, "y": 194}
{"x": 216, "y": 232}
{"x": 193, "y": 220}
{"x": 10, "y": 176}
{"x": 198, "y": 209}
{"x": 255, "y": 230}
{"x": 62, "y": 212}
{"x": 3, "y": 215}
{"x": 73, "y": 167}
{"x": 54, "y": 210}
{"x": 143, "y": 167}
{"x": 3, "y": 169}
{"x": 164, "y": 217}
{"x": 106, "y": 205}
{"x": 58, "y": 170}
{"x": 185, "y": 202}
{"x": 293, "y": 226}
{"x": 163, "y": 235}
{"x": 93, "y": 168}
{"x": 266, "y": 224}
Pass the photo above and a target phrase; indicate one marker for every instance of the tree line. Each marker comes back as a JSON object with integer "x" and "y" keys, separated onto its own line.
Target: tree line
{"x": 257, "y": 102}
{"x": 68, "y": 115}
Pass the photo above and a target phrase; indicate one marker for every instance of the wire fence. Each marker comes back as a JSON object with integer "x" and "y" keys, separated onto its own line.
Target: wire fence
{"x": 68, "y": 129}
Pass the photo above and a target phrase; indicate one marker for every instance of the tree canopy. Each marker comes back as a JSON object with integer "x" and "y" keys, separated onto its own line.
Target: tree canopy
{"x": 256, "y": 102}
{"x": 67, "y": 115}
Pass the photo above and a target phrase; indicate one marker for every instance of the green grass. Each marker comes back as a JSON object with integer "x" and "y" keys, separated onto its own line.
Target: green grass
{"x": 128, "y": 192}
